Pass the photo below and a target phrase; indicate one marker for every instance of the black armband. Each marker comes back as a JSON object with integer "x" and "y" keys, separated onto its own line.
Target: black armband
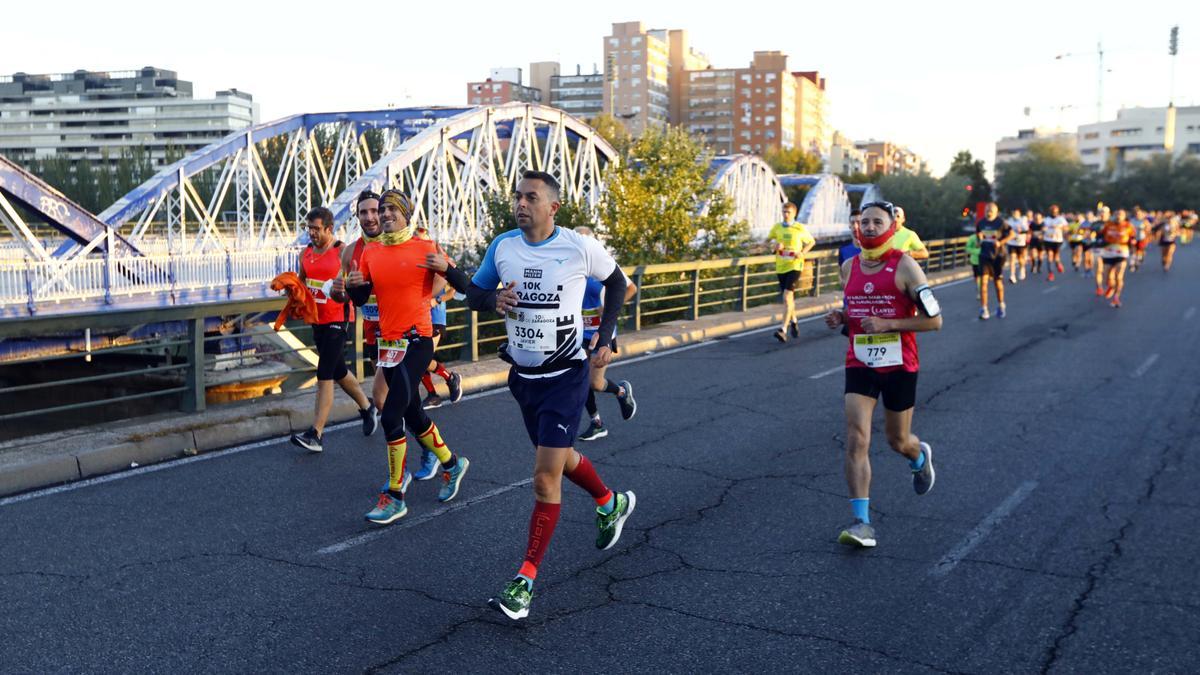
{"x": 614, "y": 300}
{"x": 457, "y": 279}
{"x": 480, "y": 299}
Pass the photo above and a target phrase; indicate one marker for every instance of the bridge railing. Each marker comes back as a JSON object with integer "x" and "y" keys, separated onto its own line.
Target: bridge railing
{"x": 124, "y": 362}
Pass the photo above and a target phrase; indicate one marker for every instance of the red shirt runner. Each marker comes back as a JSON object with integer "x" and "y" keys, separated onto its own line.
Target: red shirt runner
{"x": 319, "y": 273}
{"x": 877, "y": 294}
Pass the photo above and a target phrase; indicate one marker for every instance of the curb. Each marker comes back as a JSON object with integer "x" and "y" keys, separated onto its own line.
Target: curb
{"x": 54, "y": 462}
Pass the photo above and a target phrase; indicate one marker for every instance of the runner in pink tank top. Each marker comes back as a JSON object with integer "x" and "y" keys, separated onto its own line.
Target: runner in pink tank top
{"x": 887, "y": 301}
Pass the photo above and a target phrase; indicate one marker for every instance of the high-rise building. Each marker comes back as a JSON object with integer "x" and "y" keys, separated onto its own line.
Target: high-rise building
{"x": 889, "y": 158}
{"x": 844, "y": 158}
{"x": 1137, "y": 134}
{"x": 540, "y": 73}
{"x": 637, "y": 76}
{"x": 744, "y": 109}
{"x": 580, "y": 95}
{"x": 504, "y": 86}
{"x": 1013, "y": 147}
{"x": 94, "y": 116}
{"x": 812, "y": 133}
{"x": 682, "y": 59}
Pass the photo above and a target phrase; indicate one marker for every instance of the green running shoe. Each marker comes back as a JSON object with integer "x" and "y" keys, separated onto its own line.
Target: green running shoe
{"x": 452, "y": 479}
{"x": 513, "y": 600}
{"x": 859, "y": 534}
{"x": 610, "y": 524}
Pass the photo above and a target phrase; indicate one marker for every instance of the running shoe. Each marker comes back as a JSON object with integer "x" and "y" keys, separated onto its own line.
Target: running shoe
{"x": 1060, "y": 268}
{"x": 983, "y": 314}
{"x": 513, "y": 600}
{"x": 1022, "y": 275}
{"x": 1116, "y": 303}
{"x": 452, "y": 479}
{"x": 1012, "y": 278}
{"x": 610, "y": 524}
{"x": 794, "y": 328}
{"x": 455, "y": 386}
{"x": 1051, "y": 276}
{"x": 370, "y": 418}
{"x": 1002, "y": 312}
{"x": 593, "y": 432}
{"x": 859, "y": 534}
{"x": 387, "y": 510}
{"x": 429, "y": 466}
{"x": 1099, "y": 292}
{"x": 627, "y": 403}
{"x": 309, "y": 440}
{"x": 432, "y": 401}
{"x": 923, "y": 479}
{"x": 781, "y": 336}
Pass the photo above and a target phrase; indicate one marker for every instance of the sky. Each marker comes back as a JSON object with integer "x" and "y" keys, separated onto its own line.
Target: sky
{"x": 938, "y": 77}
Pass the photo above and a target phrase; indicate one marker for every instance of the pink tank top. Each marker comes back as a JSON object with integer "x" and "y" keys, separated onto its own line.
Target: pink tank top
{"x": 878, "y": 295}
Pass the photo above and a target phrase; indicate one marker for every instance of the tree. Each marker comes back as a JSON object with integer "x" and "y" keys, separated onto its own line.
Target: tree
{"x": 794, "y": 160}
{"x": 932, "y": 206}
{"x": 661, "y": 207}
{"x": 965, "y": 165}
{"x": 611, "y": 129}
{"x": 1048, "y": 173}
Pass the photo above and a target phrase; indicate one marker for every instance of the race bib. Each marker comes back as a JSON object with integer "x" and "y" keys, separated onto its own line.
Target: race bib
{"x": 591, "y": 319}
{"x": 370, "y": 311}
{"x": 1116, "y": 250}
{"x": 321, "y": 288}
{"x": 878, "y": 350}
{"x": 532, "y": 330}
{"x": 391, "y": 352}
{"x": 785, "y": 253}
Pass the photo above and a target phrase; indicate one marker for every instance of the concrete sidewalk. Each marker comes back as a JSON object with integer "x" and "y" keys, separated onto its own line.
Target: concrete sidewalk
{"x": 63, "y": 457}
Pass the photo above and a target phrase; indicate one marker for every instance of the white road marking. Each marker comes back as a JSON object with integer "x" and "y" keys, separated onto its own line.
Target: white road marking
{"x": 1050, "y": 290}
{"x": 1191, "y": 311}
{"x": 1141, "y": 370}
{"x": 977, "y": 535}
{"x": 826, "y": 372}
{"x": 372, "y": 535}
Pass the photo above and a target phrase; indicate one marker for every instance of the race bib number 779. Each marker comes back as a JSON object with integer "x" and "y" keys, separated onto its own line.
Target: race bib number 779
{"x": 878, "y": 350}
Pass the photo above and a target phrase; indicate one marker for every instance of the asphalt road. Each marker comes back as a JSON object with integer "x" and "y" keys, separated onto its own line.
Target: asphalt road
{"x": 1061, "y": 535}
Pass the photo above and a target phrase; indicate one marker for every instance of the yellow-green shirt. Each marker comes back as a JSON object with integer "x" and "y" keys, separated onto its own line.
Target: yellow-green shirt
{"x": 792, "y": 239}
{"x": 906, "y": 240}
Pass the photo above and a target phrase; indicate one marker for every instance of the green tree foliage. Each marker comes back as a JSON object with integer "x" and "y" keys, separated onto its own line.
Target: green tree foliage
{"x": 1160, "y": 182}
{"x": 1048, "y": 173}
{"x": 611, "y": 130}
{"x": 932, "y": 206}
{"x": 656, "y": 196}
{"x": 965, "y": 165}
{"x": 794, "y": 160}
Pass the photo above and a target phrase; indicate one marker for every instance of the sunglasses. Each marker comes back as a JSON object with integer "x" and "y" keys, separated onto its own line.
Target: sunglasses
{"x": 886, "y": 206}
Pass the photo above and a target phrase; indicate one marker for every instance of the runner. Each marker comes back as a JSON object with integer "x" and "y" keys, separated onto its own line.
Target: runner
{"x": 437, "y": 315}
{"x": 549, "y": 377}
{"x": 851, "y": 249}
{"x": 1077, "y": 235}
{"x": 972, "y": 247}
{"x": 887, "y": 301}
{"x": 1141, "y": 227}
{"x": 398, "y": 271}
{"x": 994, "y": 234}
{"x": 367, "y": 209}
{"x": 1118, "y": 236}
{"x": 790, "y": 240}
{"x": 906, "y": 240}
{"x": 320, "y": 264}
{"x": 1037, "y": 225}
{"x": 1096, "y": 248}
{"x": 1017, "y": 245}
{"x": 1052, "y": 240}
{"x": 1168, "y": 234}
{"x": 593, "y": 307}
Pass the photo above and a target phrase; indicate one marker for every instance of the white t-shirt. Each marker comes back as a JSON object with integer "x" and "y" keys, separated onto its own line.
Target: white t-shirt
{"x": 551, "y": 276}
{"x": 1020, "y": 227}
{"x": 1055, "y": 226}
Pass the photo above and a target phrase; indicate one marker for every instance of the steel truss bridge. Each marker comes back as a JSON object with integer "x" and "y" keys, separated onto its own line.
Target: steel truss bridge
{"x": 219, "y": 223}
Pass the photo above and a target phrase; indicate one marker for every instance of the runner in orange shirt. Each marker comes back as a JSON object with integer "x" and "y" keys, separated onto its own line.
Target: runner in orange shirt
{"x": 1116, "y": 235}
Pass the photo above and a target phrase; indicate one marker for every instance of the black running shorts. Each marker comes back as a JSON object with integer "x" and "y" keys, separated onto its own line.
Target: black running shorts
{"x": 330, "y": 342}
{"x": 788, "y": 281}
{"x": 898, "y": 387}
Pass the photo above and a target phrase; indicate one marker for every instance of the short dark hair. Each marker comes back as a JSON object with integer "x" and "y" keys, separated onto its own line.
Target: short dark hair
{"x": 550, "y": 181}
{"x": 855, "y": 212}
{"x": 793, "y": 205}
{"x": 367, "y": 194}
{"x": 322, "y": 214}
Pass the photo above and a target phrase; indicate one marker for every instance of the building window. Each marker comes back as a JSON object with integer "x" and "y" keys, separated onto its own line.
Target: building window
{"x": 770, "y": 77}
{"x": 1091, "y": 135}
{"x": 637, "y": 40}
{"x": 1116, "y": 133}
{"x": 614, "y": 42}
{"x": 746, "y": 78}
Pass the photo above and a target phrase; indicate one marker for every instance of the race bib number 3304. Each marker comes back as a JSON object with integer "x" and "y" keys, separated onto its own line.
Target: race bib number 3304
{"x": 878, "y": 350}
{"x": 532, "y": 330}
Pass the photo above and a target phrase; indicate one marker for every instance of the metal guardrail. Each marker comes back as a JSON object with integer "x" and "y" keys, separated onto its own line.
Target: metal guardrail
{"x": 174, "y": 367}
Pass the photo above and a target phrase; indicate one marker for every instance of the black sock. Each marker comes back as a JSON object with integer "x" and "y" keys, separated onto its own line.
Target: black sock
{"x": 453, "y": 462}
{"x": 591, "y": 403}
{"x": 611, "y": 388}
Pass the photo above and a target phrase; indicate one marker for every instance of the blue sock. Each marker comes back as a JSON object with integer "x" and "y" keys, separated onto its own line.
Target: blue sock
{"x": 527, "y": 580}
{"x": 862, "y": 509}
{"x": 608, "y": 506}
{"x": 917, "y": 463}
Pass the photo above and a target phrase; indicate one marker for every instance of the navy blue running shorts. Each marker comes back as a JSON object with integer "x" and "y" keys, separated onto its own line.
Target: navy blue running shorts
{"x": 551, "y": 406}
